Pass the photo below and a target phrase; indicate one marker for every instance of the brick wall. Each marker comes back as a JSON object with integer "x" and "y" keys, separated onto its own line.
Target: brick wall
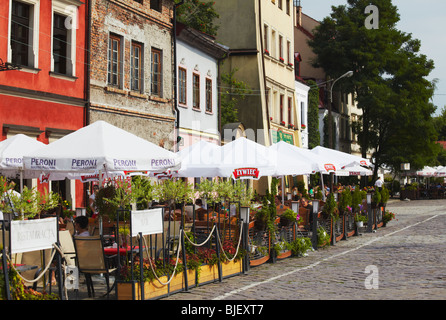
{"x": 140, "y": 112}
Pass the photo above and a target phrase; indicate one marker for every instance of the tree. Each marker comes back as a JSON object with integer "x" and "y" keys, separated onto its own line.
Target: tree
{"x": 389, "y": 82}
{"x": 198, "y": 15}
{"x": 232, "y": 92}
{"x": 314, "y": 138}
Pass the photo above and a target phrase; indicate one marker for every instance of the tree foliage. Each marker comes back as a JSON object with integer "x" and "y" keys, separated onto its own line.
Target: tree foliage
{"x": 233, "y": 91}
{"x": 314, "y": 138}
{"x": 389, "y": 82}
{"x": 199, "y": 15}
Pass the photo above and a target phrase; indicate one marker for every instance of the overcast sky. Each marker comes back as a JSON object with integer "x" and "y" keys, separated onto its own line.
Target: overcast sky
{"x": 425, "y": 20}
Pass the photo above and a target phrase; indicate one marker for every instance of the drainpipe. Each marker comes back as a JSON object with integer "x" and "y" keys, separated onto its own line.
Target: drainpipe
{"x": 87, "y": 80}
{"x": 87, "y": 64}
{"x": 264, "y": 74}
{"x": 175, "y": 76}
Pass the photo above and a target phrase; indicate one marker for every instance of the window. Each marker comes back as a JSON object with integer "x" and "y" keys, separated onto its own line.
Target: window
{"x": 156, "y": 72}
{"x": 136, "y": 66}
{"x": 114, "y": 60}
{"x": 265, "y": 38}
{"x": 290, "y": 109}
{"x": 280, "y": 4}
{"x": 196, "y": 91}
{"x": 22, "y": 34}
{"x": 288, "y": 7}
{"x": 61, "y": 45}
{"x": 273, "y": 43}
{"x": 281, "y": 56}
{"x": 155, "y": 5}
{"x": 182, "y": 85}
{"x": 288, "y": 52}
{"x": 281, "y": 108}
{"x": 208, "y": 95}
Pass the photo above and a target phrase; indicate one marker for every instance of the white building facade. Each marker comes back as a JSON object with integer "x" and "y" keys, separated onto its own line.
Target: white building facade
{"x": 197, "y": 61}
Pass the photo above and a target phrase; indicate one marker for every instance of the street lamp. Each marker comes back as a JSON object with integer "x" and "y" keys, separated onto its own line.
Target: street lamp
{"x": 330, "y": 125}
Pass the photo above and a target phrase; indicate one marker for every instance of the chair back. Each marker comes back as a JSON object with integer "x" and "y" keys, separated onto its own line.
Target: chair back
{"x": 305, "y": 216}
{"x": 90, "y": 254}
{"x": 67, "y": 247}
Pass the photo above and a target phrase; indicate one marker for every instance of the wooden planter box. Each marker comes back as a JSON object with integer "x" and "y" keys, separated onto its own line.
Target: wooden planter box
{"x": 210, "y": 273}
{"x": 155, "y": 289}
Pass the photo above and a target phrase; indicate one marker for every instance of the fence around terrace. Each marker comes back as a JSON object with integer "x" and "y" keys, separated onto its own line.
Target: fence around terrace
{"x": 212, "y": 234}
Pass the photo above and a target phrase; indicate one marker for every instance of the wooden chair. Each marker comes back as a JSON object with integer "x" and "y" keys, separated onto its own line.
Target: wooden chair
{"x": 67, "y": 247}
{"x": 91, "y": 260}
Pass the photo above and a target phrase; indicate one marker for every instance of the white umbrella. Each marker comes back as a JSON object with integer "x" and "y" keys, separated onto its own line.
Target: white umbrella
{"x": 12, "y": 151}
{"x": 101, "y": 147}
{"x": 354, "y": 171}
{"x": 246, "y": 159}
{"x": 427, "y": 172}
{"x": 201, "y": 159}
{"x": 292, "y": 160}
{"x": 342, "y": 158}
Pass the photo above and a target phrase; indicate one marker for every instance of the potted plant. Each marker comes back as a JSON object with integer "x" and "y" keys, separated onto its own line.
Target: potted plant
{"x": 387, "y": 217}
{"x": 302, "y": 126}
{"x": 376, "y": 198}
{"x": 361, "y": 217}
{"x": 385, "y": 195}
{"x": 323, "y": 237}
{"x": 281, "y": 59}
{"x": 282, "y": 123}
{"x": 288, "y": 217}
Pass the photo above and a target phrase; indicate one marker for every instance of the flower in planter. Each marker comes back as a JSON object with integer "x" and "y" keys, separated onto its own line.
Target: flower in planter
{"x": 291, "y": 126}
{"x": 266, "y": 52}
{"x": 281, "y": 59}
{"x": 282, "y": 123}
{"x": 303, "y": 126}
{"x": 290, "y": 64}
{"x": 388, "y": 216}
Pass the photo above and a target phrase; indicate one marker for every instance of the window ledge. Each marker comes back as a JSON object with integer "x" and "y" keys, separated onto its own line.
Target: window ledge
{"x": 137, "y": 94}
{"x": 158, "y": 99}
{"x": 62, "y": 76}
{"x": 115, "y": 90}
{"x": 29, "y": 69}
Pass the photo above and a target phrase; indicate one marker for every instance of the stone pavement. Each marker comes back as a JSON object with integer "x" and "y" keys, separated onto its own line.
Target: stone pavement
{"x": 403, "y": 261}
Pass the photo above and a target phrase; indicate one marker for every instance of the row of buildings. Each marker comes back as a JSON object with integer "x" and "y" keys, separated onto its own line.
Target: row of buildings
{"x": 68, "y": 63}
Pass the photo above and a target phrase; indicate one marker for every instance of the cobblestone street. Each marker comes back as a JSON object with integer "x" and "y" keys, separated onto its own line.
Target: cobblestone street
{"x": 407, "y": 261}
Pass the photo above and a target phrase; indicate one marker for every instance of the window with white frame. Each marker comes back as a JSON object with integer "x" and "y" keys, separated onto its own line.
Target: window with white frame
{"x": 64, "y": 25}
{"x": 24, "y": 31}
{"x": 196, "y": 91}
{"x": 208, "y": 95}
{"x": 182, "y": 86}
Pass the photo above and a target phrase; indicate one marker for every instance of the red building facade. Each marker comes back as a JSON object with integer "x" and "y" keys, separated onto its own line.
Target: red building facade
{"x": 46, "y": 98}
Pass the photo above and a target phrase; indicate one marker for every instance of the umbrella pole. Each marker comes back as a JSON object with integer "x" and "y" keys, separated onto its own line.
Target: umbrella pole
{"x": 323, "y": 188}
{"x": 21, "y": 181}
{"x": 283, "y": 193}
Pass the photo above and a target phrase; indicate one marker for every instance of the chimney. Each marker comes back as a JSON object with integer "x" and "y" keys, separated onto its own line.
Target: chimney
{"x": 298, "y": 13}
